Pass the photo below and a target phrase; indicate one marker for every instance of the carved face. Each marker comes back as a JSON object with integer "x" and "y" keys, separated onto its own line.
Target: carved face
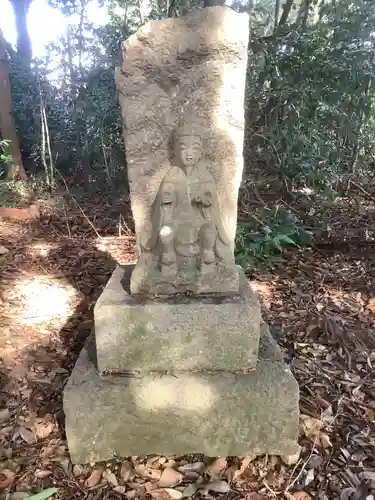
{"x": 190, "y": 148}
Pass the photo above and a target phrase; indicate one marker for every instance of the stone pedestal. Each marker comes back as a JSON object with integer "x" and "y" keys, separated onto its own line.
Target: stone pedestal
{"x": 216, "y": 413}
{"x": 177, "y": 333}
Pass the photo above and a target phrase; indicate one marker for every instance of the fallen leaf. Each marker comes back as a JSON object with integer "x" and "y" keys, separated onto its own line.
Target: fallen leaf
{"x": 19, "y": 371}
{"x": 230, "y": 472}
{"x": 43, "y": 429}
{"x": 120, "y": 489}
{"x": 126, "y": 471}
{"x": 217, "y": 486}
{"x": 311, "y": 427}
{"x": 325, "y": 440}
{"x": 130, "y": 494}
{"x": 191, "y": 476}
{"x": 301, "y": 495}
{"x": 216, "y": 467}
{"x": 150, "y": 486}
{"x": 77, "y": 470}
{"x": 192, "y": 467}
{"x": 310, "y": 476}
{"x": 290, "y": 459}
{"x": 166, "y": 494}
{"x": 174, "y": 494}
{"x": 110, "y": 477}
{"x": 3, "y": 250}
{"x": 245, "y": 464}
{"x": 371, "y": 304}
{"x": 147, "y": 472}
{"x": 95, "y": 477}
{"x": 170, "y": 478}
{"x": 18, "y": 495}
{"x": 6, "y": 478}
{"x": 43, "y": 495}
{"x": 314, "y": 462}
{"x": 4, "y": 415}
{"x": 66, "y": 465}
{"x": 42, "y": 473}
{"x": 26, "y": 435}
{"x": 254, "y": 496}
{"x": 189, "y": 491}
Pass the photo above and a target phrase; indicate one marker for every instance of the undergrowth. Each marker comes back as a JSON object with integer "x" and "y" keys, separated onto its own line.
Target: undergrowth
{"x": 260, "y": 243}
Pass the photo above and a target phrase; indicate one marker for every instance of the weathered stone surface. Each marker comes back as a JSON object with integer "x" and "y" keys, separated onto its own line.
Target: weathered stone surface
{"x": 181, "y": 85}
{"x": 135, "y": 334}
{"x": 269, "y": 350}
{"x": 217, "y": 414}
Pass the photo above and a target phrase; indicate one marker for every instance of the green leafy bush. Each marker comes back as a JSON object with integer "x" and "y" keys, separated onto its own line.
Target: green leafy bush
{"x": 5, "y": 157}
{"x": 259, "y": 243}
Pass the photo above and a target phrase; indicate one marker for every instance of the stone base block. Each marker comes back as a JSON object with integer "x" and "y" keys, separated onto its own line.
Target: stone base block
{"x": 218, "y": 414}
{"x": 143, "y": 335}
{"x": 146, "y": 279}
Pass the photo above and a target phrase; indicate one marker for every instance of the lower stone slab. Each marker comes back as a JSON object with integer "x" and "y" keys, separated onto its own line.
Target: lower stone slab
{"x": 218, "y": 414}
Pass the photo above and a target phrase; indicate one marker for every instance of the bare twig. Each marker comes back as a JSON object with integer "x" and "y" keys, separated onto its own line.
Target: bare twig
{"x": 303, "y": 467}
{"x": 362, "y": 189}
{"x": 78, "y": 205}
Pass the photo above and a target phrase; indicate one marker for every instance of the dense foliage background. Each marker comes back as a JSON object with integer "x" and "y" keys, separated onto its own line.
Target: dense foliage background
{"x": 309, "y": 103}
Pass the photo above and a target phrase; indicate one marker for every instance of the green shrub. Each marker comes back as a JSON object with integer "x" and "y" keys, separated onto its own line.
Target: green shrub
{"x": 260, "y": 243}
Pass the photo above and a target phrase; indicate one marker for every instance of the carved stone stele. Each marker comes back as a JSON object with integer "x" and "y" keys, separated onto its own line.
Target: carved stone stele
{"x": 181, "y": 87}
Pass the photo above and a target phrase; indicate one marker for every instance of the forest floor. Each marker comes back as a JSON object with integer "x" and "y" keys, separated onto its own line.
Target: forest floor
{"x": 320, "y": 303}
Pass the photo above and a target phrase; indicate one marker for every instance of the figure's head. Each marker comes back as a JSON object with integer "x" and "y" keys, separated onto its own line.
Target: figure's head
{"x": 188, "y": 143}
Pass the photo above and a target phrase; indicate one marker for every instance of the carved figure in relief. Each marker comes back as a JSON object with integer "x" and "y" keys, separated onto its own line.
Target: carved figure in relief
{"x": 187, "y": 229}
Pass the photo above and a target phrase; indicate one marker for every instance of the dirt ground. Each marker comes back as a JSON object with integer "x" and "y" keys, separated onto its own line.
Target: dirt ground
{"x": 320, "y": 304}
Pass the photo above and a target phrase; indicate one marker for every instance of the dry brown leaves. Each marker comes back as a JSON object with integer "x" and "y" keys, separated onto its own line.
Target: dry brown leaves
{"x": 319, "y": 305}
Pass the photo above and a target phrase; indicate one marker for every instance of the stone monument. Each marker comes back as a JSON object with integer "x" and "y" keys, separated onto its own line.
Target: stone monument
{"x": 180, "y": 360}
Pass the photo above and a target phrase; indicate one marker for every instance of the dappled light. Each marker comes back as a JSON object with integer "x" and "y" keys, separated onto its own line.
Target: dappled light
{"x": 264, "y": 290}
{"x": 42, "y": 302}
{"x": 41, "y": 249}
{"x": 190, "y": 395}
{"x": 305, "y": 238}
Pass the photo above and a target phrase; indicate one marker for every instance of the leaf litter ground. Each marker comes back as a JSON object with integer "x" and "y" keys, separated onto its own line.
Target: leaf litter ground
{"x": 321, "y": 308}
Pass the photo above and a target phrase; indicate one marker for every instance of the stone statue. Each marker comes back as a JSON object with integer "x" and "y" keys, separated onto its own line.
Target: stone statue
{"x": 188, "y": 239}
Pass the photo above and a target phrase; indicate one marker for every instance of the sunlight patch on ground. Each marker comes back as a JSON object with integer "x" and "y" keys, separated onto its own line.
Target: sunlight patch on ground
{"x": 117, "y": 247}
{"x": 42, "y": 249}
{"x": 264, "y": 290}
{"x": 42, "y": 301}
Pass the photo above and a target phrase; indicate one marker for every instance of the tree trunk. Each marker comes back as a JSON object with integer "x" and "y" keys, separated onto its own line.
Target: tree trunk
{"x": 8, "y": 130}
{"x": 21, "y": 8}
{"x": 277, "y": 14}
{"x": 286, "y": 11}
